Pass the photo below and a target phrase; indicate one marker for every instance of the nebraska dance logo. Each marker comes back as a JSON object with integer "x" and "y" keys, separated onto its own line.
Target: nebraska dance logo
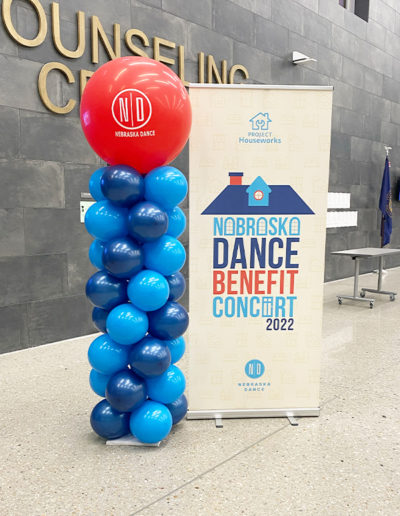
{"x": 256, "y": 235}
{"x": 254, "y": 369}
{"x": 131, "y": 109}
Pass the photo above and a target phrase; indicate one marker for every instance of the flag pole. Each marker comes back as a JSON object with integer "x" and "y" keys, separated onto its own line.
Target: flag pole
{"x": 385, "y": 201}
{"x": 387, "y": 149}
{"x": 382, "y": 208}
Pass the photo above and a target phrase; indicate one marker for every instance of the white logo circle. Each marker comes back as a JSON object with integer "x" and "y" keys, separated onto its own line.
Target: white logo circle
{"x": 131, "y": 109}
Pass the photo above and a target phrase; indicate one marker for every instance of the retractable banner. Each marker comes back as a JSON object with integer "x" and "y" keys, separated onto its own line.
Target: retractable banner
{"x": 259, "y": 165}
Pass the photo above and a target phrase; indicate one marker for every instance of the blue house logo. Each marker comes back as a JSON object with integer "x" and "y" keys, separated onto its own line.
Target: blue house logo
{"x": 258, "y": 193}
{"x": 258, "y": 198}
{"x": 260, "y": 122}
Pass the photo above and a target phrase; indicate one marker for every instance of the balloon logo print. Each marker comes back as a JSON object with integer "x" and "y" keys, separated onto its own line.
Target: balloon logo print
{"x": 136, "y": 112}
{"x": 131, "y": 109}
{"x": 135, "y": 224}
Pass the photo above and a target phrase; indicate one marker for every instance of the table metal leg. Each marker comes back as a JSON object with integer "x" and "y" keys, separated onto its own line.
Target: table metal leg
{"x": 380, "y": 273}
{"x": 355, "y": 296}
{"x": 356, "y": 274}
{"x": 379, "y": 289}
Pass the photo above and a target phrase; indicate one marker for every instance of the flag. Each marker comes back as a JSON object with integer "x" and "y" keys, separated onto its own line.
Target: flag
{"x": 385, "y": 205}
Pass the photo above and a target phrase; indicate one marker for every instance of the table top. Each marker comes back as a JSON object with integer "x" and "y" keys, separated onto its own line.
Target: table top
{"x": 367, "y": 252}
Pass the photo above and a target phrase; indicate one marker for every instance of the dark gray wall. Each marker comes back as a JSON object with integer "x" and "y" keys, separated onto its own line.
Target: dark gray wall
{"x": 45, "y": 162}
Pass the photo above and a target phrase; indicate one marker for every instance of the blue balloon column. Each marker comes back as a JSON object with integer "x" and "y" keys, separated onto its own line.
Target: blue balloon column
{"x": 135, "y": 222}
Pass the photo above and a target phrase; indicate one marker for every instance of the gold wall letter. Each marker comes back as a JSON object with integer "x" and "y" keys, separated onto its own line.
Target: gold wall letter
{"x": 237, "y": 68}
{"x": 133, "y": 48}
{"x": 80, "y": 49}
{"x": 212, "y": 70}
{"x": 181, "y": 65}
{"x": 41, "y": 35}
{"x": 201, "y": 67}
{"x": 84, "y": 76}
{"x": 42, "y": 84}
{"x": 97, "y": 30}
{"x": 165, "y": 43}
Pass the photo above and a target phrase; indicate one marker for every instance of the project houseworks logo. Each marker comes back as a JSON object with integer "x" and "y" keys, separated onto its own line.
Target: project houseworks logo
{"x": 131, "y": 109}
{"x": 260, "y": 122}
{"x": 259, "y": 130}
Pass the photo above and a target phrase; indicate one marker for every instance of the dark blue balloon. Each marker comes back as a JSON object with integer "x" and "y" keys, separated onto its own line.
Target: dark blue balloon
{"x": 123, "y": 257}
{"x": 149, "y": 357}
{"x": 108, "y": 422}
{"x": 169, "y": 322}
{"x": 125, "y": 391}
{"x": 99, "y": 317}
{"x": 122, "y": 185}
{"x": 177, "y": 285}
{"x": 178, "y": 409}
{"x": 147, "y": 221}
{"x": 105, "y": 291}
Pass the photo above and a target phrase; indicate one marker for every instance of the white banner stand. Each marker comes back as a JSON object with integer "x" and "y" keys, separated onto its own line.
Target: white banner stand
{"x": 259, "y": 166}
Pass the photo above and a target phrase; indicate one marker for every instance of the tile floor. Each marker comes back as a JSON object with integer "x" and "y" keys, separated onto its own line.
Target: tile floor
{"x": 345, "y": 462}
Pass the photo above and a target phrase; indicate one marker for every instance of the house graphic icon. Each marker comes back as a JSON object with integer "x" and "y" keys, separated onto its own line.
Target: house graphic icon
{"x": 258, "y": 198}
{"x": 260, "y": 122}
{"x": 258, "y": 193}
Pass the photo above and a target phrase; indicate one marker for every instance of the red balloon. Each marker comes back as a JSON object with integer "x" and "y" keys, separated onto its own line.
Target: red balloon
{"x": 136, "y": 111}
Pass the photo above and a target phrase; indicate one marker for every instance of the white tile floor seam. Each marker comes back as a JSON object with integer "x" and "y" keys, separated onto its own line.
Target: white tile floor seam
{"x": 343, "y": 463}
{"x": 198, "y": 477}
{"x": 283, "y": 427}
{"x": 289, "y": 463}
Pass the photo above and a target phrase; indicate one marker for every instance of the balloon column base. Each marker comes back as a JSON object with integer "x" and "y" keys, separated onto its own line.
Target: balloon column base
{"x": 129, "y": 440}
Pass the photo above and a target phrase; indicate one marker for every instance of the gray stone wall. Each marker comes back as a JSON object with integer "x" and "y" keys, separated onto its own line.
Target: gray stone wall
{"x": 45, "y": 162}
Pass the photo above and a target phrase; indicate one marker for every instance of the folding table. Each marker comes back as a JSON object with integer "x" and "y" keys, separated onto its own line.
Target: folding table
{"x": 367, "y": 252}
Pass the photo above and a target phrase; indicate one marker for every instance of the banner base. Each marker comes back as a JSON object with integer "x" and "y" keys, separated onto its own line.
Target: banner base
{"x": 244, "y": 414}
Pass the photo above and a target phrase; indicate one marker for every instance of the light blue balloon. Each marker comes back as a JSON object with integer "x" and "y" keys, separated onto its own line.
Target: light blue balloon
{"x": 95, "y": 253}
{"x": 166, "y": 255}
{"x": 98, "y": 382}
{"x": 148, "y": 290}
{"x": 105, "y": 221}
{"x": 127, "y": 324}
{"x": 167, "y": 387}
{"x": 151, "y": 422}
{"x": 107, "y": 357}
{"x": 94, "y": 184}
{"x": 166, "y": 186}
{"x": 177, "y": 348}
{"x": 176, "y": 222}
